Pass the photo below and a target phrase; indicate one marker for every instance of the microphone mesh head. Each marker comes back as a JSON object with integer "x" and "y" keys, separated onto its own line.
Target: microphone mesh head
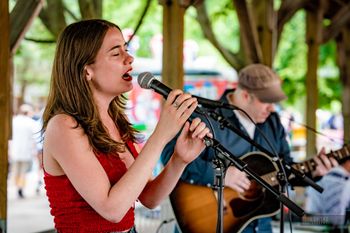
{"x": 144, "y": 79}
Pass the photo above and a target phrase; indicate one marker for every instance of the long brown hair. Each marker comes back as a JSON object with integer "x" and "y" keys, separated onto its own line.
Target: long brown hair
{"x": 70, "y": 93}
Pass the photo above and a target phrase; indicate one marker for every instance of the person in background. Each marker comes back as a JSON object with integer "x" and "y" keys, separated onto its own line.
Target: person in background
{"x": 92, "y": 172}
{"x": 334, "y": 201}
{"x": 22, "y": 147}
{"x": 258, "y": 90}
{"x": 39, "y": 146}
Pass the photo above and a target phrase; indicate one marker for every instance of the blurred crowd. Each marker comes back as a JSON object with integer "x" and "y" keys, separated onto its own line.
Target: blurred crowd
{"x": 25, "y": 147}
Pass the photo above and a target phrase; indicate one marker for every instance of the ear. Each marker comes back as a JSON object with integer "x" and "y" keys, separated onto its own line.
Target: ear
{"x": 88, "y": 72}
{"x": 245, "y": 95}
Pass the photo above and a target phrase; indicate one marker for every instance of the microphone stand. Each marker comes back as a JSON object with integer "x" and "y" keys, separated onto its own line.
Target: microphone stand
{"x": 280, "y": 175}
{"x": 226, "y": 155}
{"x": 282, "y": 181}
{"x": 220, "y": 169}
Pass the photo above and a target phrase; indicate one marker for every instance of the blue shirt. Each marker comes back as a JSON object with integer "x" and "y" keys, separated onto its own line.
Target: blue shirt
{"x": 201, "y": 171}
{"x": 335, "y": 198}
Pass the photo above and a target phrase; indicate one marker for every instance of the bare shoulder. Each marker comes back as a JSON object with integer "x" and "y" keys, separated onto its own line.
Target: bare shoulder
{"x": 62, "y": 129}
{"x": 60, "y": 121}
{"x": 64, "y": 144}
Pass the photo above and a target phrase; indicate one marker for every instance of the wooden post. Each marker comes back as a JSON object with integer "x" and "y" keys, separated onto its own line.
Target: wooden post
{"x": 343, "y": 60}
{"x": 313, "y": 40}
{"x": 21, "y": 18}
{"x": 346, "y": 89}
{"x": 266, "y": 26}
{"x": 173, "y": 37}
{"x": 346, "y": 107}
{"x": 4, "y": 108}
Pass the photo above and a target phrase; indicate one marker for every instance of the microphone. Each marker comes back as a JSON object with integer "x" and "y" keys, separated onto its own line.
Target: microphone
{"x": 147, "y": 81}
{"x": 208, "y": 103}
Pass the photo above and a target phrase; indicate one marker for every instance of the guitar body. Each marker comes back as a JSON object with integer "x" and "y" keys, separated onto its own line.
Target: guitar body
{"x": 195, "y": 206}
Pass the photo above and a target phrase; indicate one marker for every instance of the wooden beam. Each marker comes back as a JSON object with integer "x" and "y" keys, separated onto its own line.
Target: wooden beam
{"x": 341, "y": 19}
{"x": 248, "y": 32}
{"x": 233, "y": 59}
{"x": 266, "y": 26}
{"x": 286, "y": 11}
{"x": 90, "y": 9}
{"x": 4, "y": 109}
{"x": 343, "y": 61}
{"x": 346, "y": 89}
{"x": 21, "y": 18}
{"x": 173, "y": 38}
{"x": 313, "y": 40}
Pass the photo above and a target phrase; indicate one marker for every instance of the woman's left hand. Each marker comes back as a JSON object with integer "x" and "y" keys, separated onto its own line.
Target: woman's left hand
{"x": 190, "y": 142}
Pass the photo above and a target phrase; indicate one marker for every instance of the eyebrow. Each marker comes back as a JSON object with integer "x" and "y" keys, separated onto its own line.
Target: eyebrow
{"x": 117, "y": 46}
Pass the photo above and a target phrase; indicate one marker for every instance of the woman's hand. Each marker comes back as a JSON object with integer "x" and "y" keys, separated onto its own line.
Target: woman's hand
{"x": 190, "y": 142}
{"x": 176, "y": 110}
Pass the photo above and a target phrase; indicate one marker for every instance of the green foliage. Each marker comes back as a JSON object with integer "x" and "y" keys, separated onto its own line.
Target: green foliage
{"x": 290, "y": 61}
{"x": 330, "y": 92}
{"x": 224, "y": 22}
{"x": 126, "y": 14}
{"x": 329, "y": 83}
{"x": 194, "y": 32}
{"x": 327, "y": 54}
{"x": 33, "y": 60}
{"x": 192, "y": 27}
{"x": 32, "y": 70}
{"x": 291, "y": 65}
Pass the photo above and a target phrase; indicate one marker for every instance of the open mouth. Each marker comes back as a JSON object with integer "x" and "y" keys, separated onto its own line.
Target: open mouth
{"x": 127, "y": 77}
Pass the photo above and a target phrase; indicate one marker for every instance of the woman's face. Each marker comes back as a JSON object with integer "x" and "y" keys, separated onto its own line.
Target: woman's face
{"x": 109, "y": 74}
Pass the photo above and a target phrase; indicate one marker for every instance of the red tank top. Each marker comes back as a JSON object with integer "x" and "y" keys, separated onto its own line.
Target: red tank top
{"x": 72, "y": 213}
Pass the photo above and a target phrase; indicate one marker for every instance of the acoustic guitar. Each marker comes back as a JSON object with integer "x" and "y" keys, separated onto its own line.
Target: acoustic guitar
{"x": 195, "y": 206}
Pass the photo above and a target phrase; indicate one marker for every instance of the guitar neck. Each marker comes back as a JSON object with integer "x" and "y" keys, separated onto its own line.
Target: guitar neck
{"x": 310, "y": 165}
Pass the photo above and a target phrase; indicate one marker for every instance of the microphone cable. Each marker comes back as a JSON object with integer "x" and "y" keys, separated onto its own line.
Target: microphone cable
{"x": 334, "y": 139}
{"x": 166, "y": 221}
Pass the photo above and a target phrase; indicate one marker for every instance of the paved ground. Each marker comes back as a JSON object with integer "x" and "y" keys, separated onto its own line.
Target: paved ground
{"x": 31, "y": 214}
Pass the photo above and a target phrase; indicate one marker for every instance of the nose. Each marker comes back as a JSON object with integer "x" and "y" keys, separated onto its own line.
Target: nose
{"x": 271, "y": 107}
{"x": 129, "y": 59}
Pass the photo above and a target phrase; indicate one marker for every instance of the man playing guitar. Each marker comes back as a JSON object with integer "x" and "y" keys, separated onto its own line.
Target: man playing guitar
{"x": 258, "y": 90}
